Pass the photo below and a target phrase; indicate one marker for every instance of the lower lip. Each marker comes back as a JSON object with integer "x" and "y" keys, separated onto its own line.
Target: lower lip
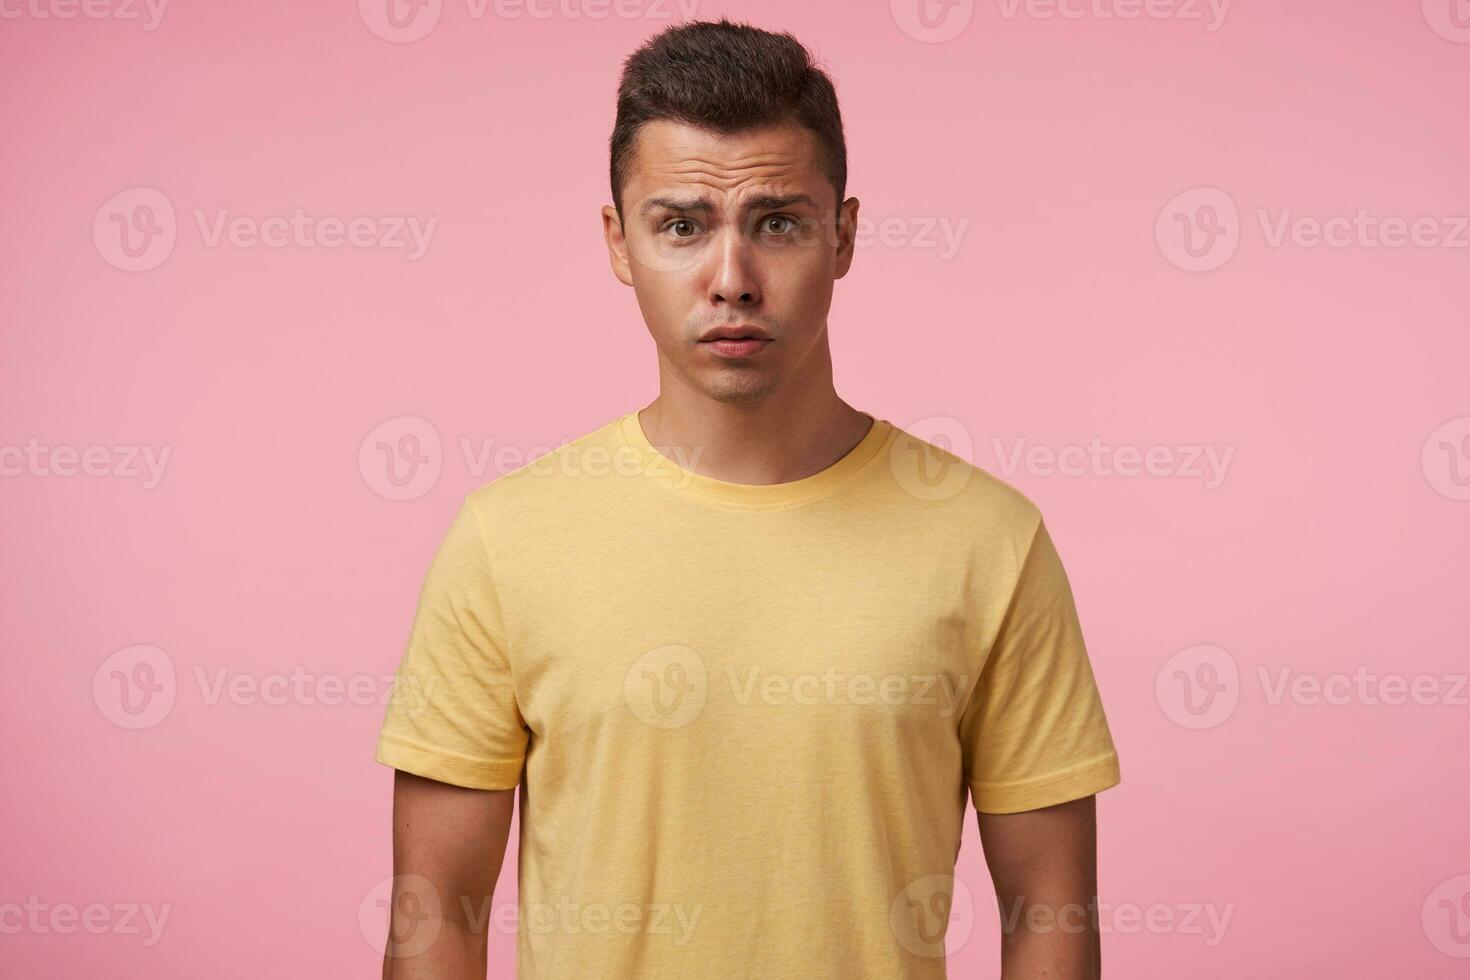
{"x": 735, "y": 348}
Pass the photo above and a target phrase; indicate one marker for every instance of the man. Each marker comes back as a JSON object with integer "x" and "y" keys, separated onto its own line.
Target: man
{"x": 745, "y": 651}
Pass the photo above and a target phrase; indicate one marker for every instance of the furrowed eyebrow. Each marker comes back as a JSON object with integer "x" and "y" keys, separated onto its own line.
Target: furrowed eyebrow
{"x": 770, "y": 202}
{"x": 675, "y": 204}
{"x": 765, "y": 202}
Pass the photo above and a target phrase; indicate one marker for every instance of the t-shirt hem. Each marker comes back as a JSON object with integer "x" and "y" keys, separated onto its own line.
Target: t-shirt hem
{"x": 1081, "y": 780}
{"x": 446, "y": 767}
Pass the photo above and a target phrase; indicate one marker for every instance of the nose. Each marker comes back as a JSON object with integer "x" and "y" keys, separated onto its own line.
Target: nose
{"x": 733, "y": 279}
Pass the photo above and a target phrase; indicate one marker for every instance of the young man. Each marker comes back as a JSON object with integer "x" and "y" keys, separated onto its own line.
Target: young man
{"x": 744, "y": 651}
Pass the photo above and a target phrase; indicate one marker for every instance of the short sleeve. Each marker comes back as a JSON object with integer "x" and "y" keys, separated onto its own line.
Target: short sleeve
{"x": 453, "y": 714}
{"x": 1034, "y": 733}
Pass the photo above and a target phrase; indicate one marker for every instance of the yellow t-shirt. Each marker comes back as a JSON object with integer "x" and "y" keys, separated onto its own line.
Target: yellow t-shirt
{"x": 744, "y": 718}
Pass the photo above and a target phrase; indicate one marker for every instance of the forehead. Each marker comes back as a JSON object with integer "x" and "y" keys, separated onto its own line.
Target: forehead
{"x": 672, "y": 155}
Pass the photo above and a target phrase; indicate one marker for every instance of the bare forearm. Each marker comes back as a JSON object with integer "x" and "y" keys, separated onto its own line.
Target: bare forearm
{"x": 448, "y": 844}
{"x": 455, "y": 953}
{"x": 1044, "y": 866}
{"x": 1046, "y": 940}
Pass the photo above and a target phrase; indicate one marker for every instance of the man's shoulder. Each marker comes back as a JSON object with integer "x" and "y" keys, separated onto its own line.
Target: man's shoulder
{"x": 960, "y": 491}
{"x": 548, "y": 476}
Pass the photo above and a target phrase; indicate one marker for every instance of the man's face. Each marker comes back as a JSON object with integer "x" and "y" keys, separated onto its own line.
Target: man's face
{"x": 732, "y": 231}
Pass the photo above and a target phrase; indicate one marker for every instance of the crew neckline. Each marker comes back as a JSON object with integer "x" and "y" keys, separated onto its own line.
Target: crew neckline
{"x": 752, "y": 496}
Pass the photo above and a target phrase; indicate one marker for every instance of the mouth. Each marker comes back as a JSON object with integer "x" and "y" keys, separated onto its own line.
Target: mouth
{"x": 735, "y": 347}
{"x": 737, "y": 331}
{"x": 736, "y": 342}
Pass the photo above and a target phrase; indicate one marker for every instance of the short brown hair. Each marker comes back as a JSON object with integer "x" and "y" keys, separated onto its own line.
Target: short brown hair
{"x": 726, "y": 78}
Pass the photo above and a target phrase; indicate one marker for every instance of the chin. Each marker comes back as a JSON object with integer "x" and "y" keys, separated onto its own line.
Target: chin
{"x": 738, "y": 390}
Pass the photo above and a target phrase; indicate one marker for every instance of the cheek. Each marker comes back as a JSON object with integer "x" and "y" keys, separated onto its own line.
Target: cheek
{"x": 800, "y": 278}
{"x": 664, "y": 299}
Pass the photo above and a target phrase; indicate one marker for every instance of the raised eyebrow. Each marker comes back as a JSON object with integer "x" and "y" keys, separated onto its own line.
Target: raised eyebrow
{"x": 773, "y": 202}
{"x": 675, "y": 204}
{"x": 764, "y": 202}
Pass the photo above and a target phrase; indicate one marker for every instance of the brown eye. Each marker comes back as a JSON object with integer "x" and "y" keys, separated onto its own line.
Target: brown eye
{"x": 780, "y": 217}
{"x": 683, "y": 221}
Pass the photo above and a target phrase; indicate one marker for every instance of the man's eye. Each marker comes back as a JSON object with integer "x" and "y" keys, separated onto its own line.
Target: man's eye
{"x": 789, "y": 223}
{"x": 685, "y": 222}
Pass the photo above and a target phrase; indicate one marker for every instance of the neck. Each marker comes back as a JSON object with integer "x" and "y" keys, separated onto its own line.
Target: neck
{"x": 781, "y": 438}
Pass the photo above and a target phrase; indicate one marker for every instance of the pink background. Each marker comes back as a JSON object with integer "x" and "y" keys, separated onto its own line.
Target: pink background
{"x": 1332, "y": 835}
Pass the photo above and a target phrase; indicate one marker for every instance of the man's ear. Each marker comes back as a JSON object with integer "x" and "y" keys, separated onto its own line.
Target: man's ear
{"x": 846, "y": 235}
{"x": 617, "y": 245}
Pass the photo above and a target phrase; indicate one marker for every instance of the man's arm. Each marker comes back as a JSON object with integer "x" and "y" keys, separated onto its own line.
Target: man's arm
{"x": 448, "y": 844}
{"x": 1044, "y": 867}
